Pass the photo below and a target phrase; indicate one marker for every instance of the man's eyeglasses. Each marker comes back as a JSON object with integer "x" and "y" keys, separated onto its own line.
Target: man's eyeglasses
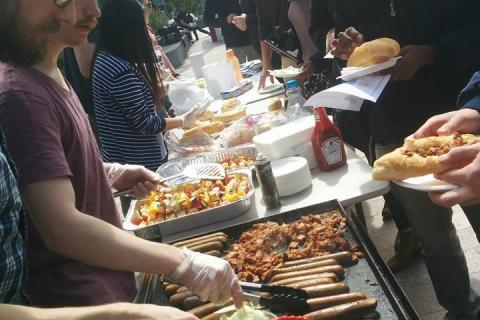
{"x": 61, "y": 3}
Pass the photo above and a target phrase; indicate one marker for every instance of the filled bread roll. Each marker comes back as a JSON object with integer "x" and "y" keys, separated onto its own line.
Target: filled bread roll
{"x": 373, "y": 52}
{"x": 207, "y": 127}
{"x": 231, "y": 115}
{"x": 230, "y": 104}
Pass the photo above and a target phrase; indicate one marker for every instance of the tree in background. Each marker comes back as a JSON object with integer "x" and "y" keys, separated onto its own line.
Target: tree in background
{"x": 191, "y": 6}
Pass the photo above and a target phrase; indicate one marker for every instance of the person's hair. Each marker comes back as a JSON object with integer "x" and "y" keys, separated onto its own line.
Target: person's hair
{"x": 123, "y": 33}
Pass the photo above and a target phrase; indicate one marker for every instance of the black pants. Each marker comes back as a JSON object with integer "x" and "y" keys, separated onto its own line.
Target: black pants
{"x": 194, "y": 30}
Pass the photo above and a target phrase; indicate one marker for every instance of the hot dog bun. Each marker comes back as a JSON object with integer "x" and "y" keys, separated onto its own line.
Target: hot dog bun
{"x": 229, "y": 104}
{"x": 373, "y": 52}
{"x": 405, "y": 162}
{"x": 231, "y": 115}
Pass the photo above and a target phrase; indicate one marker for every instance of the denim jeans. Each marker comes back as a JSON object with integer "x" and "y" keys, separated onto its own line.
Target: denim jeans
{"x": 442, "y": 252}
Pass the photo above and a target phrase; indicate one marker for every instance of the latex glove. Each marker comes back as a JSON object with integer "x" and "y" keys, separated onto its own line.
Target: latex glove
{"x": 209, "y": 277}
{"x": 137, "y": 177}
{"x": 191, "y": 116}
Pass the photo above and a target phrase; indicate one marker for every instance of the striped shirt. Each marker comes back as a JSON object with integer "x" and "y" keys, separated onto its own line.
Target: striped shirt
{"x": 129, "y": 129}
{"x": 12, "y": 236}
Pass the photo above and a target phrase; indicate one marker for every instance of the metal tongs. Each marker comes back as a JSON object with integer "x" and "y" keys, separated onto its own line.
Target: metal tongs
{"x": 281, "y": 299}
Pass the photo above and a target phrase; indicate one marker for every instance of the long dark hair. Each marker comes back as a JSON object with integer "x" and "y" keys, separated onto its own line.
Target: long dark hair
{"x": 123, "y": 33}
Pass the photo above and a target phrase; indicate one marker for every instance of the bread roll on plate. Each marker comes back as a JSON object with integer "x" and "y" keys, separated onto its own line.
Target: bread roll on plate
{"x": 373, "y": 52}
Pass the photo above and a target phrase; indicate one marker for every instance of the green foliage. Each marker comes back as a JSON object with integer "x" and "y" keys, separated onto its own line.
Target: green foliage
{"x": 158, "y": 19}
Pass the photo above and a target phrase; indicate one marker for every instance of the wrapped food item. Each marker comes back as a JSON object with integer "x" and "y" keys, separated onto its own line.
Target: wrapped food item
{"x": 195, "y": 142}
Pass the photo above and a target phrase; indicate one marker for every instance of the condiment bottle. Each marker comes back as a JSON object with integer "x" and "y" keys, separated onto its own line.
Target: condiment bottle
{"x": 296, "y": 101}
{"x": 327, "y": 142}
{"x": 263, "y": 168}
{"x": 236, "y": 65}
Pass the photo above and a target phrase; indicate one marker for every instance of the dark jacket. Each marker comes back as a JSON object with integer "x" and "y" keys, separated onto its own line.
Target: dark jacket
{"x": 215, "y": 15}
{"x": 450, "y": 27}
{"x": 250, "y": 9}
{"x": 270, "y": 14}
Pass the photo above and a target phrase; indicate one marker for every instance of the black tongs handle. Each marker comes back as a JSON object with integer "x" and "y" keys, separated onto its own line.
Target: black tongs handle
{"x": 280, "y": 302}
{"x": 274, "y": 289}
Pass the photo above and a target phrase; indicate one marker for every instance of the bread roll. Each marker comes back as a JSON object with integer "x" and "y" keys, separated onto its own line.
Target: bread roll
{"x": 232, "y": 115}
{"x": 230, "y": 104}
{"x": 207, "y": 115}
{"x": 207, "y": 127}
{"x": 373, "y": 52}
{"x": 275, "y": 104}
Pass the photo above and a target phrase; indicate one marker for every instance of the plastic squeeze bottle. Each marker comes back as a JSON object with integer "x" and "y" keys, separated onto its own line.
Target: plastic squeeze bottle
{"x": 327, "y": 142}
{"x": 236, "y": 65}
{"x": 296, "y": 101}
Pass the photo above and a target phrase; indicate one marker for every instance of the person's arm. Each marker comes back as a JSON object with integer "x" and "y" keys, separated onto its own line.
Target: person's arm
{"x": 128, "y": 91}
{"x": 84, "y": 56}
{"x": 117, "y": 311}
{"x": 210, "y": 17}
{"x": 267, "y": 65}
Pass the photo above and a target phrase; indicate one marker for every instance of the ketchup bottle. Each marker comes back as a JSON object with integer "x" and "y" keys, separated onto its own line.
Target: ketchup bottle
{"x": 327, "y": 142}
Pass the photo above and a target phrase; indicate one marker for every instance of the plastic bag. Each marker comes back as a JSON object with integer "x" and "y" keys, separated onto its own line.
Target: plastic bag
{"x": 185, "y": 94}
{"x": 196, "y": 143}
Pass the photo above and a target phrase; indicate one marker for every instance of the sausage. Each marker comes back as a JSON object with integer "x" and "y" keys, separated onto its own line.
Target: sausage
{"x": 192, "y": 302}
{"x": 215, "y": 253}
{"x": 170, "y": 288}
{"x": 177, "y": 299}
{"x": 203, "y": 241}
{"x": 189, "y": 241}
{"x": 204, "y": 310}
{"x": 323, "y": 290}
{"x": 330, "y": 301}
{"x": 345, "y": 258}
{"x": 181, "y": 289}
{"x": 337, "y": 269}
{"x": 215, "y": 245}
{"x": 347, "y": 311}
{"x": 306, "y": 266}
{"x": 310, "y": 282}
{"x": 285, "y": 282}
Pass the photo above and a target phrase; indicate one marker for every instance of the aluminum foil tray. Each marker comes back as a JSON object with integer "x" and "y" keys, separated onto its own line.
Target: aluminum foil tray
{"x": 176, "y": 166}
{"x": 194, "y": 220}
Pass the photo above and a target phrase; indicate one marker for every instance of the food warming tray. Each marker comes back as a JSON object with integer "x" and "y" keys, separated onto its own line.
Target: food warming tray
{"x": 371, "y": 275}
{"x": 176, "y": 166}
{"x": 193, "y": 220}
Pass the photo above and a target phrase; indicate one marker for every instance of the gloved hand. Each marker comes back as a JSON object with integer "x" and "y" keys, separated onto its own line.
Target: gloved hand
{"x": 191, "y": 116}
{"x": 209, "y": 277}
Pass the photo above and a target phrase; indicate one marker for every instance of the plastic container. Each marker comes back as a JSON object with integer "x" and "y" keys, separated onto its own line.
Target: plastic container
{"x": 236, "y": 65}
{"x": 197, "y": 62}
{"x": 219, "y": 77}
{"x": 296, "y": 101}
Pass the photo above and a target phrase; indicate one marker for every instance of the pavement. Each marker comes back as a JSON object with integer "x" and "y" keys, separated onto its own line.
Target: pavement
{"x": 414, "y": 280}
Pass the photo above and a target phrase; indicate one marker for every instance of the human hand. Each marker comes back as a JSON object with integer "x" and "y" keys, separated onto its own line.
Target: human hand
{"x": 240, "y": 22}
{"x": 464, "y": 120}
{"x": 137, "y": 177}
{"x": 191, "y": 116}
{"x": 413, "y": 58}
{"x": 343, "y": 46}
{"x": 263, "y": 78}
{"x": 209, "y": 277}
{"x": 465, "y": 172}
{"x": 230, "y": 17}
{"x": 307, "y": 71}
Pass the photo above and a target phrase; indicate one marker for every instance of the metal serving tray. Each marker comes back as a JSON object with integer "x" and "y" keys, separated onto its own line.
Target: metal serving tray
{"x": 176, "y": 166}
{"x": 194, "y": 220}
{"x": 371, "y": 275}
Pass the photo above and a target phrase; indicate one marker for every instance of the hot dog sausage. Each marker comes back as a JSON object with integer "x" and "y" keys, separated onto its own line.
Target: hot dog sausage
{"x": 310, "y": 282}
{"x": 215, "y": 253}
{"x": 337, "y": 269}
{"x": 171, "y": 288}
{"x": 189, "y": 241}
{"x": 177, "y": 299}
{"x": 285, "y": 282}
{"x": 330, "y": 301}
{"x": 306, "y": 266}
{"x": 345, "y": 258}
{"x": 347, "y": 311}
{"x": 323, "y": 290}
{"x": 215, "y": 245}
{"x": 203, "y": 241}
{"x": 192, "y": 302}
{"x": 204, "y": 310}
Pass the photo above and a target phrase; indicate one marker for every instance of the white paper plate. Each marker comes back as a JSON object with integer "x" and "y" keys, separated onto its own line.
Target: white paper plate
{"x": 426, "y": 183}
{"x": 354, "y": 72}
{"x": 271, "y": 88}
{"x": 289, "y": 72}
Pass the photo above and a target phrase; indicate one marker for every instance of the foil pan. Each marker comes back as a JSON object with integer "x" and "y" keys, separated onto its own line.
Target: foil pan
{"x": 176, "y": 166}
{"x": 194, "y": 220}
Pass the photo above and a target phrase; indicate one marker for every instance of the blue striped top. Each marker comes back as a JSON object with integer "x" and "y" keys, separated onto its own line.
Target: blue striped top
{"x": 128, "y": 127}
